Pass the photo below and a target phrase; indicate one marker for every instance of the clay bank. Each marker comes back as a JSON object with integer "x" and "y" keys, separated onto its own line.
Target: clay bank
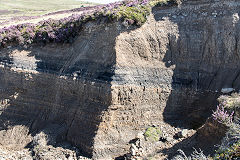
{"x": 116, "y": 80}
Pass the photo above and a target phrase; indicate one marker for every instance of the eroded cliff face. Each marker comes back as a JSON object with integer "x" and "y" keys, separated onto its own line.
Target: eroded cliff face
{"x": 115, "y": 81}
{"x": 67, "y": 85}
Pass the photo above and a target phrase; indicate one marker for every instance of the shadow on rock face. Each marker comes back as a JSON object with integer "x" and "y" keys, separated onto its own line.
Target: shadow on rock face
{"x": 201, "y": 50}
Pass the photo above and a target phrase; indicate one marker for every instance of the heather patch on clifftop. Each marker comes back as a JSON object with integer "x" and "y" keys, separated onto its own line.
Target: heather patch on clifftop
{"x": 131, "y": 12}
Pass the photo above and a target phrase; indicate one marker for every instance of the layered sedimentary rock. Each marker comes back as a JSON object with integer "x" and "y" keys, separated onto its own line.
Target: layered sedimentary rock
{"x": 116, "y": 80}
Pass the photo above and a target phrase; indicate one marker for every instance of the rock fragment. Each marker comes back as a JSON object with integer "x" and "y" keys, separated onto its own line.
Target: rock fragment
{"x": 182, "y": 134}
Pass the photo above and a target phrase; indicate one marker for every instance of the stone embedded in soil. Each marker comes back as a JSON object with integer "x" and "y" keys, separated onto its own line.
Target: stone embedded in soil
{"x": 169, "y": 139}
{"x": 227, "y": 90}
{"x": 182, "y": 134}
{"x": 140, "y": 135}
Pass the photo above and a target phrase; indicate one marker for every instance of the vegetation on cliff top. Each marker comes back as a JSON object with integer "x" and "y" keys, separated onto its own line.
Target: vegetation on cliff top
{"x": 133, "y": 12}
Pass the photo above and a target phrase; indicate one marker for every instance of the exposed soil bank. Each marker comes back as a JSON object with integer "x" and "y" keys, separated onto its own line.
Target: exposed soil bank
{"x": 115, "y": 81}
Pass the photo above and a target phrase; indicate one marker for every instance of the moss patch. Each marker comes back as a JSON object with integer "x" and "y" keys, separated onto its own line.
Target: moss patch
{"x": 153, "y": 134}
{"x": 137, "y": 15}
